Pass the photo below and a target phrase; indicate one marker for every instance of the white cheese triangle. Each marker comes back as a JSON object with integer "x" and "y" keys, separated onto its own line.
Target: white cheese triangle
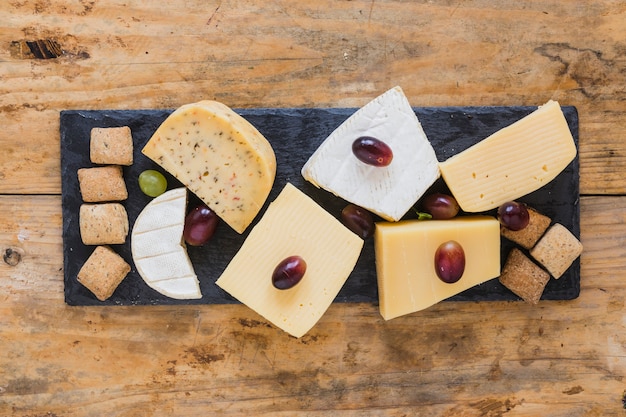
{"x": 387, "y": 191}
{"x": 158, "y": 250}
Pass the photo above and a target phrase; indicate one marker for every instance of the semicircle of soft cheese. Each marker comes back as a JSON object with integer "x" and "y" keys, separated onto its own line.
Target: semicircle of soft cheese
{"x": 293, "y": 224}
{"x": 158, "y": 250}
{"x": 512, "y": 162}
{"x": 388, "y": 191}
{"x": 219, "y": 156}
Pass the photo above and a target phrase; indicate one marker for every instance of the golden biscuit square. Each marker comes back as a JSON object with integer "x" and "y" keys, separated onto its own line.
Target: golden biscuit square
{"x": 528, "y": 236}
{"x": 102, "y": 184}
{"x": 557, "y": 250}
{"x": 103, "y": 224}
{"x": 111, "y": 146}
{"x": 103, "y": 271}
{"x": 523, "y": 277}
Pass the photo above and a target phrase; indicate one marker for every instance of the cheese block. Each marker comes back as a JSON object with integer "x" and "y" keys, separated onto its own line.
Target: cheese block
{"x": 512, "y": 162}
{"x": 388, "y": 191}
{"x": 405, "y": 260}
{"x": 292, "y": 225}
{"x": 219, "y": 156}
{"x": 158, "y": 249}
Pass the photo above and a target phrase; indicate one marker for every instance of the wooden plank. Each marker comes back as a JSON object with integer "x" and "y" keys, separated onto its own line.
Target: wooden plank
{"x": 455, "y": 359}
{"x": 474, "y": 359}
{"x": 308, "y": 54}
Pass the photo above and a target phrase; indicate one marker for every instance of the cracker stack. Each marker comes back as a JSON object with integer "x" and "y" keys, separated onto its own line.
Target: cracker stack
{"x": 103, "y": 220}
{"x": 552, "y": 248}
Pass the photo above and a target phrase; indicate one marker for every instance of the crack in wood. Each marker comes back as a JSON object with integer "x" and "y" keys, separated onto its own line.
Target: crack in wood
{"x": 36, "y": 49}
{"x": 12, "y": 257}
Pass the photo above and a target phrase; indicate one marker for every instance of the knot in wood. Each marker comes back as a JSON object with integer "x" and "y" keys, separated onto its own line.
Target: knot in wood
{"x": 12, "y": 257}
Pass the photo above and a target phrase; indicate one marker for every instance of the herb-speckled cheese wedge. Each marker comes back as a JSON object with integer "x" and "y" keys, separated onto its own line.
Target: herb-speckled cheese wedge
{"x": 219, "y": 156}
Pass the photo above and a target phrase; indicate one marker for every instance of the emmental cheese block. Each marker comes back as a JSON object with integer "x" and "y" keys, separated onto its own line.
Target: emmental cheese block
{"x": 388, "y": 191}
{"x": 219, "y": 156}
{"x": 405, "y": 260}
{"x": 292, "y": 225}
{"x": 158, "y": 250}
{"x": 512, "y": 162}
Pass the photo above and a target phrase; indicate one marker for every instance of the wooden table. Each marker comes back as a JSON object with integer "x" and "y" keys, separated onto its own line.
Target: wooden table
{"x": 560, "y": 358}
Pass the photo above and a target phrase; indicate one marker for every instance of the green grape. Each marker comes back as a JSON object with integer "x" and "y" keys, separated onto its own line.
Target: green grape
{"x": 152, "y": 183}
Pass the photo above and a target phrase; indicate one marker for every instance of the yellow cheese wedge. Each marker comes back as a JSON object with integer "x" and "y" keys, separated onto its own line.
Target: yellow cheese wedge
{"x": 405, "y": 260}
{"x": 512, "y": 162}
{"x": 292, "y": 225}
{"x": 158, "y": 250}
{"x": 219, "y": 156}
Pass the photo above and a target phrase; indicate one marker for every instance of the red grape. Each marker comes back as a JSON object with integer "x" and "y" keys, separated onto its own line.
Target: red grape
{"x": 200, "y": 225}
{"x": 450, "y": 261}
{"x": 288, "y": 272}
{"x": 513, "y": 215}
{"x": 372, "y": 151}
{"x": 441, "y": 206}
{"x": 358, "y": 220}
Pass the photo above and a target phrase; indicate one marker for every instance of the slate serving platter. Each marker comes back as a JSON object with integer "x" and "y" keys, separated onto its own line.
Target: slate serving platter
{"x": 294, "y": 133}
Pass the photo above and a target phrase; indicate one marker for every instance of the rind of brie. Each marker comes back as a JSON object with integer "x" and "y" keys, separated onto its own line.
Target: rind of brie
{"x": 388, "y": 191}
{"x": 158, "y": 250}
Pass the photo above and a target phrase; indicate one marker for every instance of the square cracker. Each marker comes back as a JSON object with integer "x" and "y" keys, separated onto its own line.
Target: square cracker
{"x": 102, "y": 184}
{"x": 103, "y": 224}
{"x": 523, "y": 277}
{"x": 103, "y": 271}
{"x": 557, "y": 250}
{"x": 528, "y": 236}
{"x": 111, "y": 145}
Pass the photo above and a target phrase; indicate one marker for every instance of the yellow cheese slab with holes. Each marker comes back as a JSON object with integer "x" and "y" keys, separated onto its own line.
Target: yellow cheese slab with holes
{"x": 219, "y": 156}
{"x": 405, "y": 260}
{"x": 512, "y": 162}
{"x": 292, "y": 225}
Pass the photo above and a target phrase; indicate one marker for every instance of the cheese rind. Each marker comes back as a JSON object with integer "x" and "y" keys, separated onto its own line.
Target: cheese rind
{"x": 512, "y": 162}
{"x": 292, "y": 225}
{"x": 387, "y": 191}
{"x": 405, "y": 253}
{"x": 219, "y": 156}
{"x": 158, "y": 250}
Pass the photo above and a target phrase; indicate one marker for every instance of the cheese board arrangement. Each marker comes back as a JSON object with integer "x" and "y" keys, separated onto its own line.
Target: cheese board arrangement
{"x": 294, "y": 134}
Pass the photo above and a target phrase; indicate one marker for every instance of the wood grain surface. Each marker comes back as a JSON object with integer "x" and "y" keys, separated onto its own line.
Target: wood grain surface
{"x": 495, "y": 359}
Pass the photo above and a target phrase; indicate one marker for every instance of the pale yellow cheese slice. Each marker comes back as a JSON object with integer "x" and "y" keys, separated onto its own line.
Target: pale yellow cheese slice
{"x": 292, "y": 225}
{"x": 512, "y": 162}
{"x": 219, "y": 156}
{"x": 158, "y": 250}
{"x": 405, "y": 260}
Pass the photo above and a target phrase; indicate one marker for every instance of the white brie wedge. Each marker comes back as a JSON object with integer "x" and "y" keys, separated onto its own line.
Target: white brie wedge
{"x": 158, "y": 250}
{"x": 388, "y": 191}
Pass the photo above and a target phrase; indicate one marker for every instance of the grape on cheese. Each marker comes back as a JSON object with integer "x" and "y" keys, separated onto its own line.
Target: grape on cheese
{"x": 389, "y": 191}
{"x": 158, "y": 250}
{"x": 219, "y": 156}
{"x": 512, "y": 162}
{"x": 293, "y": 225}
{"x": 405, "y": 267}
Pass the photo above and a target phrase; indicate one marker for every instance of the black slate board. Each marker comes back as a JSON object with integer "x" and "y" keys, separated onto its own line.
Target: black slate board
{"x": 294, "y": 134}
